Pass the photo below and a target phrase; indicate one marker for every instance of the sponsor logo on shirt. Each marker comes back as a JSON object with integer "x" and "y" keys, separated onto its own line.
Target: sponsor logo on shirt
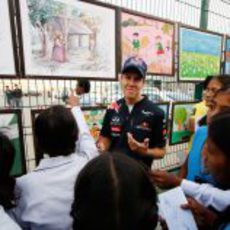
{"x": 144, "y": 126}
{"x": 116, "y": 129}
{"x": 114, "y": 106}
{"x": 147, "y": 113}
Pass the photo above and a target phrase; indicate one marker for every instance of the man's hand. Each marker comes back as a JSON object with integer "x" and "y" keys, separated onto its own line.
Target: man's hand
{"x": 136, "y": 146}
{"x": 204, "y": 217}
{"x": 164, "y": 179}
{"x": 73, "y": 101}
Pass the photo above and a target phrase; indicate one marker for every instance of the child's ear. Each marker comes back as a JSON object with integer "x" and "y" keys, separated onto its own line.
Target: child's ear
{"x": 119, "y": 76}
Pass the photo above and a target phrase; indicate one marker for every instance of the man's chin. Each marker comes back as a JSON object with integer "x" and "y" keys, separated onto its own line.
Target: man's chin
{"x": 130, "y": 96}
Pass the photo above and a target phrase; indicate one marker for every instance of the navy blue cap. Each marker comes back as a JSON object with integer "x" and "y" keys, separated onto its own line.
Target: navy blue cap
{"x": 135, "y": 63}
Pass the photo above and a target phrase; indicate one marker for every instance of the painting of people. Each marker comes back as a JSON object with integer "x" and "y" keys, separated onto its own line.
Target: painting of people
{"x": 148, "y": 38}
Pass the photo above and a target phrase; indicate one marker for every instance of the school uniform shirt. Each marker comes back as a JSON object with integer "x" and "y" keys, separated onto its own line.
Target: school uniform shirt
{"x": 207, "y": 195}
{"x": 46, "y": 194}
{"x": 145, "y": 120}
{"x": 195, "y": 167}
{"x": 6, "y": 222}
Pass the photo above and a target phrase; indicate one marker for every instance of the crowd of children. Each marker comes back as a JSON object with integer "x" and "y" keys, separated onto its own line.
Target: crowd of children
{"x": 79, "y": 188}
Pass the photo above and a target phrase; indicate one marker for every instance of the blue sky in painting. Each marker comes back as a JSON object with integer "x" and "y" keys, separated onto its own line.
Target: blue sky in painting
{"x": 199, "y": 42}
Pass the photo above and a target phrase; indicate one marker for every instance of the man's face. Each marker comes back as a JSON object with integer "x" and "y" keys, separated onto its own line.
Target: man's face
{"x": 220, "y": 102}
{"x": 131, "y": 85}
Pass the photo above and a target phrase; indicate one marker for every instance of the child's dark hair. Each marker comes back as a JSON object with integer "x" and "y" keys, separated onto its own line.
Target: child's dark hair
{"x": 7, "y": 183}
{"x": 114, "y": 192}
{"x": 56, "y": 131}
{"x": 218, "y": 131}
{"x": 85, "y": 84}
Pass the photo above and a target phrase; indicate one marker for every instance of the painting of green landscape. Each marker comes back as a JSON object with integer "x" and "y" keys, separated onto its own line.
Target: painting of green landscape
{"x": 227, "y": 57}
{"x": 199, "y": 54}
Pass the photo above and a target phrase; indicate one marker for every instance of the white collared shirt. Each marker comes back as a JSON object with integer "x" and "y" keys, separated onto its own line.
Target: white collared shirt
{"x": 207, "y": 195}
{"x": 6, "y": 222}
{"x": 46, "y": 194}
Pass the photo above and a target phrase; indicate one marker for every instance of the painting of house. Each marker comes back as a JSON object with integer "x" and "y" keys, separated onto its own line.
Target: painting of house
{"x": 199, "y": 54}
{"x": 67, "y": 38}
{"x": 7, "y": 65}
{"x": 148, "y": 38}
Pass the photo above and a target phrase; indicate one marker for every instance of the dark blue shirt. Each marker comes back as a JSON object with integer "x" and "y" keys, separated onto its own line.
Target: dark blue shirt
{"x": 146, "y": 120}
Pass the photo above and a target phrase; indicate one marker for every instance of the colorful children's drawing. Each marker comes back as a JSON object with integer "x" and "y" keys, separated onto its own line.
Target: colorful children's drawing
{"x": 10, "y": 126}
{"x": 199, "y": 54}
{"x": 7, "y": 65}
{"x": 180, "y": 132}
{"x": 150, "y": 39}
{"x": 68, "y": 39}
{"x": 94, "y": 118}
{"x": 227, "y": 57}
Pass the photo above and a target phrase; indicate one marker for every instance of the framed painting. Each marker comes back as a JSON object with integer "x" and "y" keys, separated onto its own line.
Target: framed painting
{"x": 165, "y": 107}
{"x": 8, "y": 63}
{"x": 94, "y": 118}
{"x": 93, "y": 115}
{"x": 181, "y": 112}
{"x": 68, "y": 39}
{"x": 149, "y": 38}
{"x": 227, "y": 56}
{"x": 199, "y": 54}
{"x": 11, "y": 126}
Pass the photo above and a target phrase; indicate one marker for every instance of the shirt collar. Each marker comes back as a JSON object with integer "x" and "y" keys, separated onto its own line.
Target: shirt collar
{"x": 52, "y": 162}
{"x": 145, "y": 98}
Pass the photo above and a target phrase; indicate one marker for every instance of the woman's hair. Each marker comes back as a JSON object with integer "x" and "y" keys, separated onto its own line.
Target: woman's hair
{"x": 114, "y": 192}
{"x": 206, "y": 82}
{"x": 56, "y": 131}
{"x": 219, "y": 130}
{"x": 7, "y": 183}
{"x": 223, "y": 79}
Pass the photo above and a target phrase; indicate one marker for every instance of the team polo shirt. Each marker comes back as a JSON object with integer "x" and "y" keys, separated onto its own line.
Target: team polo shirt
{"x": 145, "y": 120}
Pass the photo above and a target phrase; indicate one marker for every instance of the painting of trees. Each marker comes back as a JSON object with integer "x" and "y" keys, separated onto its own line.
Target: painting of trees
{"x": 180, "y": 132}
{"x": 180, "y": 116}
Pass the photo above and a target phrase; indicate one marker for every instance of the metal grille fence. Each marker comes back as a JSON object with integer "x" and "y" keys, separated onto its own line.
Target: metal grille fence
{"x": 43, "y": 93}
